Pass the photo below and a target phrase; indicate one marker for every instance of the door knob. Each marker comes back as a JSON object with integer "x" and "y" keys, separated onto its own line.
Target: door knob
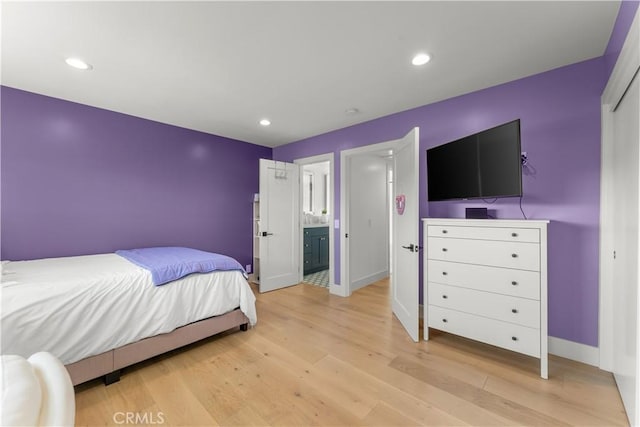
{"x": 410, "y": 247}
{"x": 265, "y": 234}
{"x": 413, "y": 248}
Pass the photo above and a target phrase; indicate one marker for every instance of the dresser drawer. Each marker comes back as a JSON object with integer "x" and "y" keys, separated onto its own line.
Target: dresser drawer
{"x": 524, "y": 256}
{"x": 495, "y": 332}
{"x": 507, "y": 234}
{"x": 506, "y": 308}
{"x": 507, "y": 281}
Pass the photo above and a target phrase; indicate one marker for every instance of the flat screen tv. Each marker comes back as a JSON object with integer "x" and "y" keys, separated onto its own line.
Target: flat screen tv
{"x": 484, "y": 165}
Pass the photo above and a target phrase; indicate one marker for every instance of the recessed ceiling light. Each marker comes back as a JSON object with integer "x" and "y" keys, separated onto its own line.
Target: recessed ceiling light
{"x": 78, "y": 63}
{"x": 265, "y": 122}
{"x": 352, "y": 110}
{"x": 420, "y": 59}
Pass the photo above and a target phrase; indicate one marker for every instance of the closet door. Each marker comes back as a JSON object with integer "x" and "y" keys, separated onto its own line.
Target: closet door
{"x": 626, "y": 188}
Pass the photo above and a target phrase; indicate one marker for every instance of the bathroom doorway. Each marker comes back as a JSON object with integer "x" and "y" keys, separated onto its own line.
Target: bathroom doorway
{"x": 316, "y": 220}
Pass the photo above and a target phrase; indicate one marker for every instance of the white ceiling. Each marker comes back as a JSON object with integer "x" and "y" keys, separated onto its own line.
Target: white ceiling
{"x": 219, "y": 67}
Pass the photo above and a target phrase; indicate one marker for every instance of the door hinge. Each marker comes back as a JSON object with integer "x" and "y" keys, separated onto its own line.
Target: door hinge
{"x": 346, "y": 235}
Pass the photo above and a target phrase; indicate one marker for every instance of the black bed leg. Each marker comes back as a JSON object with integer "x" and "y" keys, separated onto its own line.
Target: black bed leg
{"x": 244, "y": 326}
{"x": 112, "y": 377}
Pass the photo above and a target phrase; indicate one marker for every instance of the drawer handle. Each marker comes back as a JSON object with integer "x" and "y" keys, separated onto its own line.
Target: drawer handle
{"x": 514, "y": 234}
{"x": 514, "y": 255}
{"x": 444, "y": 320}
{"x": 513, "y": 310}
{"x": 444, "y": 231}
{"x": 514, "y": 338}
{"x": 444, "y": 273}
{"x": 444, "y": 249}
{"x": 444, "y": 297}
{"x": 514, "y": 283}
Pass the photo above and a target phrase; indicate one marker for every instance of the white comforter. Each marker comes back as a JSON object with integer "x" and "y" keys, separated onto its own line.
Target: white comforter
{"x": 77, "y": 307}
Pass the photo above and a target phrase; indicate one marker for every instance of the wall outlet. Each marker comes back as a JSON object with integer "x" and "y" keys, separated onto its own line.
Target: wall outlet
{"x": 247, "y": 268}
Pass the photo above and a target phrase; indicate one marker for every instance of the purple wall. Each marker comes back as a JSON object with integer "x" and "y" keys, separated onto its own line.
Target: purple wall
{"x": 560, "y": 125}
{"x": 80, "y": 180}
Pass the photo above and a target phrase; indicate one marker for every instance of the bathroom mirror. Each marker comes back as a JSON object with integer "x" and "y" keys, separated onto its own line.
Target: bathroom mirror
{"x": 315, "y": 188}
{"x": 307, "y": 193}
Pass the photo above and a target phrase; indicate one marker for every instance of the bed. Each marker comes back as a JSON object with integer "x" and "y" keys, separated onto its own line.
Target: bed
{"x": 101, "y": 313}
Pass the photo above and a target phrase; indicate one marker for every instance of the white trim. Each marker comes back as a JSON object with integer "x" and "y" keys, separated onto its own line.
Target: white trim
{"x": 575, "y": 351}
{"x": 338, "y": 290}
{"x": 328, "y": 157}
{"x": 623, "y": 72}
{"x": 344, "y": 225}
{"x": 606, "y": 309}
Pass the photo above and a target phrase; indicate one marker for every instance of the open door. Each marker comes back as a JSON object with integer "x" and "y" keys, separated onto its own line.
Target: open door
{"x": 405, "y": 258}
{"x": 279, "y": 230}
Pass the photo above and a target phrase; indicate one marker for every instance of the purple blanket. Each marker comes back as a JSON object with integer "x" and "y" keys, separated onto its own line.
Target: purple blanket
{"x": 171, "y": 263}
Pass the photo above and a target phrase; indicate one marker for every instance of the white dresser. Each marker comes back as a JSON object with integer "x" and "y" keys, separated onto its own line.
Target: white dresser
{"x": 487, "y": 280}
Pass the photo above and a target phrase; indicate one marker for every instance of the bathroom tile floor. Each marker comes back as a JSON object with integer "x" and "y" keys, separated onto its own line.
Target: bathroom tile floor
{"x": 320, "y": 278}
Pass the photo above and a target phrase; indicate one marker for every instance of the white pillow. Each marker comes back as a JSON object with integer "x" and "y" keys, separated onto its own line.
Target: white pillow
{"x": 58, "y": 397}
{"x": 21, "y": 392}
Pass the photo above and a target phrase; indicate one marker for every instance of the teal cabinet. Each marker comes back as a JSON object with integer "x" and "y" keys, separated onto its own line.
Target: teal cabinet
{"x": 316, "y": 249}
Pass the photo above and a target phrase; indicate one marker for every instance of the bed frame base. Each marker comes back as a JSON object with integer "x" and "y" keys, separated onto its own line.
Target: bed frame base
{"x": 109, "y": 363}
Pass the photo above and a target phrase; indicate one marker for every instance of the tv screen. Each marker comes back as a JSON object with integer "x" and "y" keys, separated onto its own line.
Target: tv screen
{"x": 480, "y": 166}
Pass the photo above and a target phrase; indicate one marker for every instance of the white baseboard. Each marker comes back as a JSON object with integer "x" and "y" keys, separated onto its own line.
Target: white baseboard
{"x": 367, "y": 280}
{"x": 338, "y": 290}
{"x": 574, "y": 351}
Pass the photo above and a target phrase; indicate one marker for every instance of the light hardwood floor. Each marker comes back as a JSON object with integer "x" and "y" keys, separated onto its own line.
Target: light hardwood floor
{"x": 318, "y": 359}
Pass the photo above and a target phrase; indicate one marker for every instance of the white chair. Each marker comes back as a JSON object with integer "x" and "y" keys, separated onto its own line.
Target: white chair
{"x": 35, "y": 391}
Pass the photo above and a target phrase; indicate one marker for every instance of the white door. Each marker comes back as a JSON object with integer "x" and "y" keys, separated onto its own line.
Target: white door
{"x": 405, "y": 258}
{"x": 625, "y": 233}
{"x": 279, "y": 224}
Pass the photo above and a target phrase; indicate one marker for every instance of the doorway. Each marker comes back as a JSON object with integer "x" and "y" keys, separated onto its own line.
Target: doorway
{"x": 360, "y": 227}
{"x": 317, "y": 220}
{"x": 367, "y": 218}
